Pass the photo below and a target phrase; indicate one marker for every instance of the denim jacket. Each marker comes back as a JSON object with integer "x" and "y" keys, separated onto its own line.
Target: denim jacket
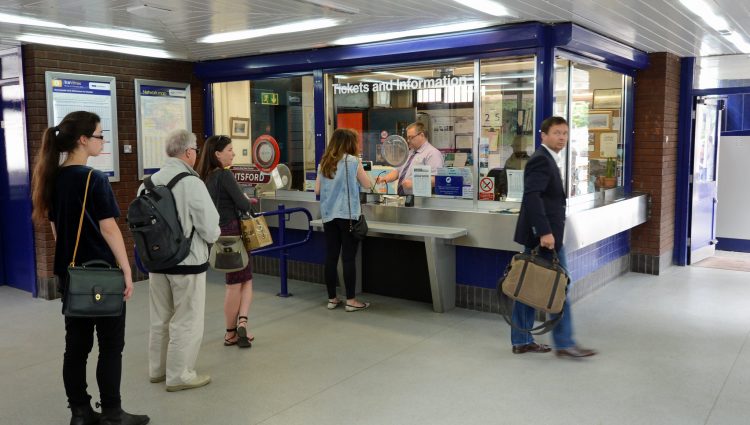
{"x": 333, "y": 198}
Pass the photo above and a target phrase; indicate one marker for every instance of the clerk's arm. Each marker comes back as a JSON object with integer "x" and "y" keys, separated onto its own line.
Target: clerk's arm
{"x": 393, "y": 175}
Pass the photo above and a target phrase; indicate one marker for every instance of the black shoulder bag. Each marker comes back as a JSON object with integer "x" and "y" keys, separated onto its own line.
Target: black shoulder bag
{"x": 95, "y": 289}
{"x": 358, "y": 228}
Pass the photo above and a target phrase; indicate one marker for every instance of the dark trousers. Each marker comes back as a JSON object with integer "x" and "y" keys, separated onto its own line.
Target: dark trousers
{"x": 79, "y": 339}
{"x": 339, "y": 241}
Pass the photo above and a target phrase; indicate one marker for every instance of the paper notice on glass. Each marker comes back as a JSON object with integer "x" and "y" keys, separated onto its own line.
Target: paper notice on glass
{"x": 422, "y": 180}
{"x": 463, "y": 142}
{"x": 608, "y": 145}
{"x": 494, "y": 161}
{"x": 515, "y": 185}
{"x": 459, "y": 159}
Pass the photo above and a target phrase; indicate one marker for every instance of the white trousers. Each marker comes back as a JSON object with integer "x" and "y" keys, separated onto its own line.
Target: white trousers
{"x": 177, "y": 313}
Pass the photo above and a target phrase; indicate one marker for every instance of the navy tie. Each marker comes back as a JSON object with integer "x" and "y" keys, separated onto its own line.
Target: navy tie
{"x": 403, "y": 175}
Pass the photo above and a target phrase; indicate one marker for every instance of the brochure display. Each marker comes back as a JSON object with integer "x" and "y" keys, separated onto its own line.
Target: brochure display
{"x": 68, "y": 93}
{"x": 160, "y": 107}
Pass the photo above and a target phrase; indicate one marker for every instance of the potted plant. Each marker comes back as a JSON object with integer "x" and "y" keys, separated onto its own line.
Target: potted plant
{"x": 609, "y": 178}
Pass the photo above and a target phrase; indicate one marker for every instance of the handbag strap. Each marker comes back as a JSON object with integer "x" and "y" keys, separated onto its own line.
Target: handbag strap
{"x": 348, "y": 195}
{"x": 80, "y": 221}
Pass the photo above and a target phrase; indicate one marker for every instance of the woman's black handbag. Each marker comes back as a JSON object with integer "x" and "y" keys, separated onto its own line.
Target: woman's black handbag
{"x": 95, "y": 289}
{"x": 358, "y": 228}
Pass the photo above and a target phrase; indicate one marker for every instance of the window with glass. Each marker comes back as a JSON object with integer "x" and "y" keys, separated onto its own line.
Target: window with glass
{"x": 281, "y": 109}
{"x": 507, "y": 126}
{"x": 592, "y": 100}
{"x": 380, "y": 105}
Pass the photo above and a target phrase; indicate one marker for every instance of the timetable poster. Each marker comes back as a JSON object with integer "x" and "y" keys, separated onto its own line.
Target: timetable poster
{"x": 161, "y": 108}
{"x": 68, "y": 93}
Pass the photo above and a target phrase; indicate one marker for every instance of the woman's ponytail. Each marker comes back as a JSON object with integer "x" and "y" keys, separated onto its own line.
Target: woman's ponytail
{"x": 45, "y": 168}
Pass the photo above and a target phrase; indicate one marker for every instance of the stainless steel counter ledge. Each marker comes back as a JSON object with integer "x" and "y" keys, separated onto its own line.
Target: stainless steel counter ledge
{"x": 441, "y": 256}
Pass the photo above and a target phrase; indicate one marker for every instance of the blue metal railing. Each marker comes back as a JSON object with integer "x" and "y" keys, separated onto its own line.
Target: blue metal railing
{"x": 282, "y": 246}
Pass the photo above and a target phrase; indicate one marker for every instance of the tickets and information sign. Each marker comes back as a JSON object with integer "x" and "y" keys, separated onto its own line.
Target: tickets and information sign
{"x": 161, "y": 107}
{"x": 68, "y": 93}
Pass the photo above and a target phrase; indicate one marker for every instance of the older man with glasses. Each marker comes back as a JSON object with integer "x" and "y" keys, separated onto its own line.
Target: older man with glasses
{"x": 421, "y": 152}
{"x": 178, "y": 295}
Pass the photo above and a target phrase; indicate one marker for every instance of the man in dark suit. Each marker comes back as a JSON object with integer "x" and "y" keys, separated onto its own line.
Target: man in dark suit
{"x": 542, "y": 222}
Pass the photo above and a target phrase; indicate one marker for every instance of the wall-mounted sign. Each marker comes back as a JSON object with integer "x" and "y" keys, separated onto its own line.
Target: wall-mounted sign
{"x": 269, "y": 98}
{"x": 399, "y": 84}
{"x": 249, "y": 176}
{"x": 68, "y": 93}
{"x": 160, "y": 107}
{"x": 449, "y": 185}
{"x": 266, "y": 153}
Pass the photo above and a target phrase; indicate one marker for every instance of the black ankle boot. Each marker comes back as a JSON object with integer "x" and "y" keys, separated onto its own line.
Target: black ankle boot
{"x": 120, "y": 417}
{"x": 84, "y": 415}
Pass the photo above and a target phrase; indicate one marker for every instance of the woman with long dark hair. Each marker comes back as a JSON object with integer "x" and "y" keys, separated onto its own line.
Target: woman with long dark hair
{"x": 340, "y": 175}
{"x": 58, "y": 191}
{"x": 213, "y": 168}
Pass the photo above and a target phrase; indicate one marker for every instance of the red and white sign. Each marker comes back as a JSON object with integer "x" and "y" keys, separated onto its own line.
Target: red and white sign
{"x": 266, "y": 153}
{"x": 249, "y": 176}
{"x": 487, "y": 189}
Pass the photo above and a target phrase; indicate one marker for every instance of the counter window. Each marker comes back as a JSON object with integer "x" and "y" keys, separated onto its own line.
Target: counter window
{"x": 592, "y": 100}
{"x": 381, "y": 105}
{"x": 279, "y": 108}
{"x": 507, "y": 126}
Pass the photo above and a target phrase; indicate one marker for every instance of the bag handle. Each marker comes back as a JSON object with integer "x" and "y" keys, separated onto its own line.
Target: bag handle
{"x": 97, "y": 262}
{"x": 80, "y": 221}
{"x": 348, "y": 196}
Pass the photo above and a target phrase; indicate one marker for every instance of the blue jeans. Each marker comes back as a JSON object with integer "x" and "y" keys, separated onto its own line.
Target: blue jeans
{"x": 523, "y": 316}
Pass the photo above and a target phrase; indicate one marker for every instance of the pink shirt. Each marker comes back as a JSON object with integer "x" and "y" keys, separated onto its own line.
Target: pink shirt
{"x": 425, "y": 155}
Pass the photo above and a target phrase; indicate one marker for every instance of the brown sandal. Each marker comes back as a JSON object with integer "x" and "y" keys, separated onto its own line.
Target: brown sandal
{"x": 243, "y": 341}
{"x": 228, "y": 341}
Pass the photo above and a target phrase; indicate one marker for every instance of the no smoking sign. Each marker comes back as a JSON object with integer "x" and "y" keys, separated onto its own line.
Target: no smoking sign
{"x": 487, "y": 189}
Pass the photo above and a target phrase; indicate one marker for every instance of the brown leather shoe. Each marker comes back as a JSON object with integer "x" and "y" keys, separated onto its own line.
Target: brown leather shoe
{"x": 532, "y": 347}
{"x": 575, "y": 352}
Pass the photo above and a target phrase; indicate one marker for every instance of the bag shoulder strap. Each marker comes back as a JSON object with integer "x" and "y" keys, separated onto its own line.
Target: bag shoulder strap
{"x": 148, "y": 183}
{"x": 348, "y": 195}
{"x": 80, "y": 221}
{"x": 177, "y": 178}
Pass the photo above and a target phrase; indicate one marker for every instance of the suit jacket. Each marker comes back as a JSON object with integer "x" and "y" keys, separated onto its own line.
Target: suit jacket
{"x": 543, "y": 203}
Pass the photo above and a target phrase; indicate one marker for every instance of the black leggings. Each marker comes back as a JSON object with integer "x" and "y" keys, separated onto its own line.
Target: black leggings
{"x": 79, "y": 339}
{"x": 340, "y": 241}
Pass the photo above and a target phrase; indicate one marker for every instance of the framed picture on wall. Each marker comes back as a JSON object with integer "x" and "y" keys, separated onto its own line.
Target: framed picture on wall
{"x": 607, "y": 99}
{"x": 239, "y": 128}
{"x": 600, "y": 120}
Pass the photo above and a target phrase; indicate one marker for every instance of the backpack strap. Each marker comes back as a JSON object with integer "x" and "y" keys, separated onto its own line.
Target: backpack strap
{"x": 177, "y": 178}
{"x": 148, "y": 183}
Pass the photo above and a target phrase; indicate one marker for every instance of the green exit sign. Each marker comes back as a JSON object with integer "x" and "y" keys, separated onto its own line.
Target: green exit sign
{"x": 269, "y": 98}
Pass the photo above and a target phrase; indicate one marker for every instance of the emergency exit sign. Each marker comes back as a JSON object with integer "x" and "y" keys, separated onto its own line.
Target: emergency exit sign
{"x": 269, "y": 98}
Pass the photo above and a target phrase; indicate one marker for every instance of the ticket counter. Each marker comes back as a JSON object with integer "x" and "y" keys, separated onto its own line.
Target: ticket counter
{"x": 480, "y": 97}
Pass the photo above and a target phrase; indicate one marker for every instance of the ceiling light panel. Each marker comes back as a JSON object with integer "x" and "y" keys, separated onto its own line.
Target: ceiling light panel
{"x": 308, "y": 25}
{"x": 486, "y": 6}
{"x": 439, "y": 29}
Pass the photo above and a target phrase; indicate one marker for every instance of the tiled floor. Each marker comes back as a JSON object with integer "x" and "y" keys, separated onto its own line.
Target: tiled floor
{"x": 674, "y": 350}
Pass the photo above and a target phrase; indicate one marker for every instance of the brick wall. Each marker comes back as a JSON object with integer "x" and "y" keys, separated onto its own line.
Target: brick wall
{"x": 657, "y": 98}
{"x": 39, "y": 59}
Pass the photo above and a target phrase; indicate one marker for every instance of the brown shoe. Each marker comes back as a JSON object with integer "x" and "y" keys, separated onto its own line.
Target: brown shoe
{"x": 575, "y": 352}
{"x": 532, "y": 347}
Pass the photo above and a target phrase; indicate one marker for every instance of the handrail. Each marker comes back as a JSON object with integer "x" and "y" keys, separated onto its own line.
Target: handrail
{"x": 288, "y": 212}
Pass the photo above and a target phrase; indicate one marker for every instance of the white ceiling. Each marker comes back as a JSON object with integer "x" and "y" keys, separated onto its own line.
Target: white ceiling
{"x": 652, "y": 26}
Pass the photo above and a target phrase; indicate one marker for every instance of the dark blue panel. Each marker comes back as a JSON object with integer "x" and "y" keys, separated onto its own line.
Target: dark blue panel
{"x": 320, "y": 118}
{"x": 629, "y": 134}
{"x": 314, "y": 251}
{"x": 508, "y": 37}
{"x": 208, "y": 110}
{"x": 746, "y": 112}
{"x": 480, "y": 267}
{"x": 684, "y": 153}
{"x": 483, "y": 267}
{"x": 737, "y": 245}
{"x": 733, "y": 112}
{"x": 736, "y": 133}
{"x": 595, "y": 46}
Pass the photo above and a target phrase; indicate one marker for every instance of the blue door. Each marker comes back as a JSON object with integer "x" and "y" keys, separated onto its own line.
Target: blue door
{"x": 702, "y": 240}
{"x": 16, "y": 229}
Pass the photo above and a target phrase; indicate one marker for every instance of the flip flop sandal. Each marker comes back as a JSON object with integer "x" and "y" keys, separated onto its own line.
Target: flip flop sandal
{"x": 243, "y": 341}
{"x": 228, "y": 341}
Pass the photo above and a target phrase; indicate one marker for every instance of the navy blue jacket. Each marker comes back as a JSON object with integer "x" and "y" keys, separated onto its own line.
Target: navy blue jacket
{"x": 543, "y": 203}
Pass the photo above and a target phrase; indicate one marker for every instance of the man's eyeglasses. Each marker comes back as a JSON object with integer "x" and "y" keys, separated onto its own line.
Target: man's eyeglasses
{"x": 197, "y": 151}
{"x": 411, "y": 137}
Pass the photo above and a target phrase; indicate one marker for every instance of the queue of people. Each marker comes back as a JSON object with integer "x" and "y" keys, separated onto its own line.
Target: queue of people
{"x": 208, "y": 203}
